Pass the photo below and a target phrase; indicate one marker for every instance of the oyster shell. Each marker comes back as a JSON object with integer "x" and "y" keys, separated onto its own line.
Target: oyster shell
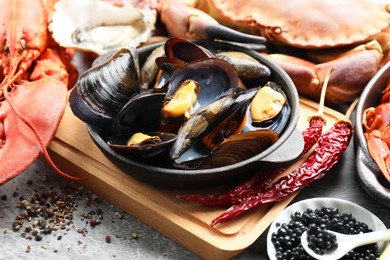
{"x": 110, "y": 27}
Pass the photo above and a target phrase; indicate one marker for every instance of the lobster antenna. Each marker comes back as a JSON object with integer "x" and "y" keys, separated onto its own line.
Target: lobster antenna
{"x": 40, "y": 141}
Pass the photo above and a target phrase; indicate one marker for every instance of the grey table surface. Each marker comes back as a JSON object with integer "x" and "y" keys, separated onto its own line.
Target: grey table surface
{"x": 130, "y": 237}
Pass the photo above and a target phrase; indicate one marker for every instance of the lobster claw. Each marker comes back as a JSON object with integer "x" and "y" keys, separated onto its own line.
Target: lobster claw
{"x": 43, "y": 101}
{"x": 352, "y": 73}
{"x": 188, "y": 22}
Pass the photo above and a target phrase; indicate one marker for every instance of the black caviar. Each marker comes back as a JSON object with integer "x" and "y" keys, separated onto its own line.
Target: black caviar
{"x": 287, "y": 239}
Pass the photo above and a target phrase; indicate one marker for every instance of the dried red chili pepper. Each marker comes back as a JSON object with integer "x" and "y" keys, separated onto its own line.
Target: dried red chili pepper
{"x": 262, "y": 179}
{"x": 331, "y": 146}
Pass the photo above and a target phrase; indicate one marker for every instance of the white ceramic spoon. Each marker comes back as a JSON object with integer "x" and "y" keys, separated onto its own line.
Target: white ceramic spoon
{"x": 346, "y": 243}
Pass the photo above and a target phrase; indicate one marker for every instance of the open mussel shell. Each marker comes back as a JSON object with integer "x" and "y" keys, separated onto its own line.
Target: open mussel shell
{"x": 102, "y": 91}
{"x": 216, "y": 79}
{"x": 167, "y": 66}
{"x": 109, "y": 28}
{"x": 145, "y": 150}
{"x": 284, "y": 151}
{"x": 186, "y": 50}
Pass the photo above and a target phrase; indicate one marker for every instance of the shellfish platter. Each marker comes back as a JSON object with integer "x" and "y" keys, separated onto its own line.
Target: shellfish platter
{"x": 157, "y": 206}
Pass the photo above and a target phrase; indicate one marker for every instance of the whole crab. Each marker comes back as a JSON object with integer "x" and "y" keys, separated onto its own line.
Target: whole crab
{"x": 306, "y": 37}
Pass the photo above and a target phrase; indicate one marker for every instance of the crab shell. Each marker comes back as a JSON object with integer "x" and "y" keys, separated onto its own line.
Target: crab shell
{"x": 98, "y": 26}
{"x": 304, "y": 23}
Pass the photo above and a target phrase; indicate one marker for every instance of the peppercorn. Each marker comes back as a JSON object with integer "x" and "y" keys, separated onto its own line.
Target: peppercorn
{"x": 108, "y": 239}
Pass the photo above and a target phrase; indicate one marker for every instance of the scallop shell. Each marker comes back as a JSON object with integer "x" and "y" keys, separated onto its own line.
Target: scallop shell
{"x": 97, "y": 26}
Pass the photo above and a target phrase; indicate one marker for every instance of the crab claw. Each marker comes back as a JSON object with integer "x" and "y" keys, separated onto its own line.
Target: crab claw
{"x": 352, "y": 73}
{"x": 188, "y": 22}
{"x": 379, "y": 152}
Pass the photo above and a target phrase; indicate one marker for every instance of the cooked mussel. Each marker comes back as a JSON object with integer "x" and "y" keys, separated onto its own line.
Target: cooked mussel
{"x": 182, "y": 102}
{"x": 216, "y": 78}
{"x": 101, "y": 92}
{"x": 142, "y": 113}
{"x": 209, "y": 119}
{"x": 239, "y": 147}
{"x": 249, "y": 69}
{"x": 267, "y": 103}
{"x": 269, "y": 109}
{"x": 144, "y": 145}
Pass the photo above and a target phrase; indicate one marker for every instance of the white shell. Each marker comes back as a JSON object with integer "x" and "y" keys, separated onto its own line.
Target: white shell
{"x": 97, "y": 26}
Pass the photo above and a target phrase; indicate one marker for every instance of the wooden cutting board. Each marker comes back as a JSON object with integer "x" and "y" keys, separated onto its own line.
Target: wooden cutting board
{"x": 186, "y": 223}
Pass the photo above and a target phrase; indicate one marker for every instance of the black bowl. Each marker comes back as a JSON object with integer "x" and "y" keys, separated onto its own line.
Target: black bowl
{"x": 369, "y": 175}
{"x": 286, "y": 150}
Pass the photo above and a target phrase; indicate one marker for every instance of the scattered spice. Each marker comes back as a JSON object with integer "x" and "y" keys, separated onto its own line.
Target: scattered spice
{"x": 108, "y": 239}
{"x": 52, "y": 210}
{"x": 134, "y": 235}
{"x": 38, "y": 237}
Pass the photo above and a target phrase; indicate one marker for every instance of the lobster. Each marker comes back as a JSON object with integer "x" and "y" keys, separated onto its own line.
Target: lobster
{"x": 376, "y": 123}
{"x": 35, "y": 75}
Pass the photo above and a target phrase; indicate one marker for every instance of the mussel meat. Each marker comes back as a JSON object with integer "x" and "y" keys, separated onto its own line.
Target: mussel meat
{"x": 102, "y": 91}
{"x": 144, "y": 145}
{"x": 267, "y": 104}
{"x": 268, "y": 110}
{"x": 110, "y": 27}
{"x": 182, "y": 102}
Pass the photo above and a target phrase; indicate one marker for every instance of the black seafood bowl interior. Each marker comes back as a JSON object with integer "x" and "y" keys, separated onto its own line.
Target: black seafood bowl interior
{"x": 369, "y": 175}
{"x": 286, "y": 149}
